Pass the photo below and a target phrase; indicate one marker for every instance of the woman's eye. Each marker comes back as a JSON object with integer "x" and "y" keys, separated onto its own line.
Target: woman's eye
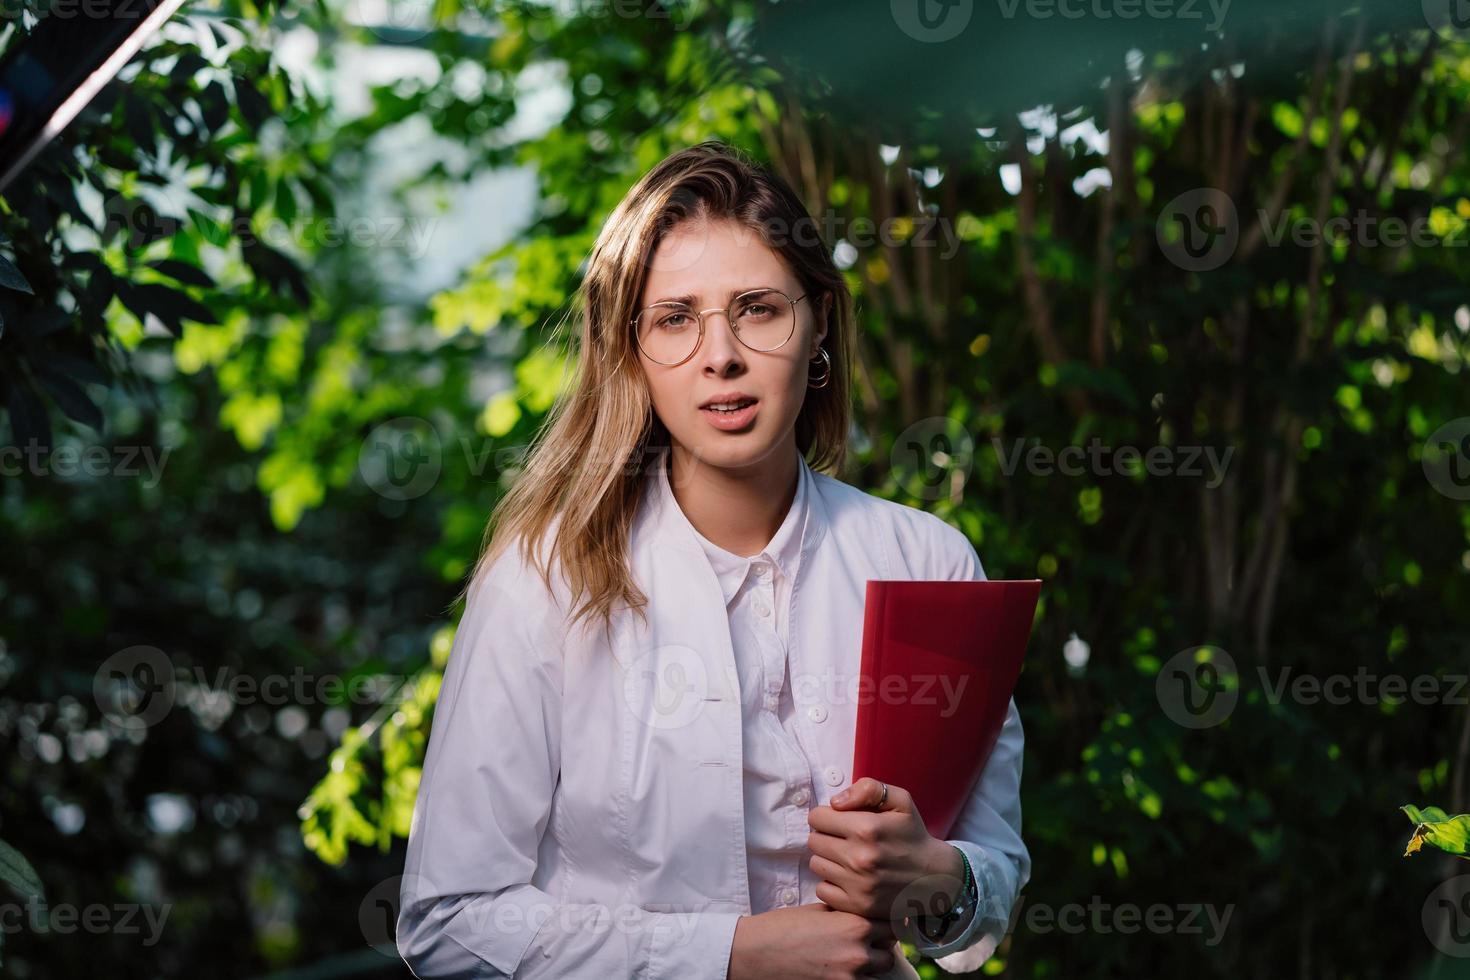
{"x": 674, "y": 320}
{"x": 756, "y": 310}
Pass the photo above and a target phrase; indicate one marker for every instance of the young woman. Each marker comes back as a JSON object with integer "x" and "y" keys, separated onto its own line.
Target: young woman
{"x": 639, "y": 764}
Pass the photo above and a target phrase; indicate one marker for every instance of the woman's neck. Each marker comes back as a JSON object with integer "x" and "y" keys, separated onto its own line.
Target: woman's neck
{"x": 739, "y": 510}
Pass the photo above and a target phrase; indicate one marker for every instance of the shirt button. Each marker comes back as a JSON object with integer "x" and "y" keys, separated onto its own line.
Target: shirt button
{"x": 832, "y": 775}
{"x": 788, "y": 896}
{"x": 817, "y": 713}
{"x": 761, "y": 609}
{"x": 763, "y": 571}
{"x": 801, "y": 796}
{"x": 772, "y": 702}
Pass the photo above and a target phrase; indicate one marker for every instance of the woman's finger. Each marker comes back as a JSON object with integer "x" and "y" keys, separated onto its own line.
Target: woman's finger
{"x": 880, "y": 933}
{"x": 829, "y": 870}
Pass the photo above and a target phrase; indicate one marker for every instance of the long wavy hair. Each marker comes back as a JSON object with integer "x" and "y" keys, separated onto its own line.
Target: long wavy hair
{"x": 585, "y": 469}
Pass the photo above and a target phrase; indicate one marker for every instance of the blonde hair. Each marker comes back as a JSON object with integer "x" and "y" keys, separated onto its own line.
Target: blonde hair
{"x": 586, "y": 467}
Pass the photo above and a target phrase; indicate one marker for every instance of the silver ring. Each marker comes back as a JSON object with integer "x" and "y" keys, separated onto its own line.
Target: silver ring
{"x": 884, "y": 798}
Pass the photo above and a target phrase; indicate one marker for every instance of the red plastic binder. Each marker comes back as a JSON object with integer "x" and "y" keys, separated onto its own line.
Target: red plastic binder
{"x": 940, "y": 662}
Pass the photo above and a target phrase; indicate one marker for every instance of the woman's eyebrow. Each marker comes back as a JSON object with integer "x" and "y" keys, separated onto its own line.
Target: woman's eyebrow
{"x": 688, "y": 299}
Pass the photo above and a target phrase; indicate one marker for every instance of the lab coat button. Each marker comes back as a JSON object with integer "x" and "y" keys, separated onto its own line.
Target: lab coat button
{"x": 817, "y": 713}
{"x": 833, "y": 775}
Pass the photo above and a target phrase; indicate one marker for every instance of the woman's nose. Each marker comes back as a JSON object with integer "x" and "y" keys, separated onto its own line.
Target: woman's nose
{"x": 720, "y": 343}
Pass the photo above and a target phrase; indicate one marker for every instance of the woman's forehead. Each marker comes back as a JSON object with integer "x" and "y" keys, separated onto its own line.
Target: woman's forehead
{"x": 712, "y": 261}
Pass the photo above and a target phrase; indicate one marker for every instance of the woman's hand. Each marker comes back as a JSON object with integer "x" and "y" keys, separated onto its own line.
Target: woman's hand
{"x": 810, "y": 942}
{"x": 881, "y": 862}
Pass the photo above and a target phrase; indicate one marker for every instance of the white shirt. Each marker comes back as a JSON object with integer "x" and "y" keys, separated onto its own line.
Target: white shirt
{"x": 607, "y": 804}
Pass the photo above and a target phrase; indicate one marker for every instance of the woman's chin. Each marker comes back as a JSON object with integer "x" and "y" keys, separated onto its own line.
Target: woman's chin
{"x": 731, "y": 451}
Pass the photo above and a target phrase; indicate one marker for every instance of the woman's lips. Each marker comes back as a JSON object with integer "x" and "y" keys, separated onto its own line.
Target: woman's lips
{"x": 731, "y": 421}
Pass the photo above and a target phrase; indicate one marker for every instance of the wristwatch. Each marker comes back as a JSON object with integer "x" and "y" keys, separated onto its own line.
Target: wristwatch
{"x": 931, "y": 927}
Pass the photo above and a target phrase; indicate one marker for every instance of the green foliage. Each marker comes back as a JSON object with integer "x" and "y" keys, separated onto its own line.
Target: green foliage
{"x": 147, "y": 303}
{"x": 366, "y": 797}
{"x": 116, "y": 244}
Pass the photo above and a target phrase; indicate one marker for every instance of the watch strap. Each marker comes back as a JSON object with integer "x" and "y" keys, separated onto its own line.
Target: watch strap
{"x": 934, "y": 926}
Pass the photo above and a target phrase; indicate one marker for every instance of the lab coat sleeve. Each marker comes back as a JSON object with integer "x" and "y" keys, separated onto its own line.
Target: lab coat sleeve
{"x": 988, "y": 828}
{"x": 467, "y": 905}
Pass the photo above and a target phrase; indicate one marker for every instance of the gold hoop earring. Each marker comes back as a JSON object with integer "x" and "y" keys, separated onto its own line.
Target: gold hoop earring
{"x": 826, "y": 376}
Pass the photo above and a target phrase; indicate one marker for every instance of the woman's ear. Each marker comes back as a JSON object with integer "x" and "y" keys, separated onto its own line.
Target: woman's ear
{"x": 822, "y": 321}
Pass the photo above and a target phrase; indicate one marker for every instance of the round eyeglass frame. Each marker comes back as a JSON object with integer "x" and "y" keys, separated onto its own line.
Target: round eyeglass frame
{"x": 699, "y": 316}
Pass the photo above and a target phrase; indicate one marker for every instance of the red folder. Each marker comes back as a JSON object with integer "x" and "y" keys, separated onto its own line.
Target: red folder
{"x": 940, "y": 662}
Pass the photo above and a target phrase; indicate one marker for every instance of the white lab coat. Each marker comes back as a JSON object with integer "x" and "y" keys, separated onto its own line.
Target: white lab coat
{"x": 580, "y": 811}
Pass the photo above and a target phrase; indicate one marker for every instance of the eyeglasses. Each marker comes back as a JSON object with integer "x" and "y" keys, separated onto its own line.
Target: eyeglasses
{"x": 762, "y": 319}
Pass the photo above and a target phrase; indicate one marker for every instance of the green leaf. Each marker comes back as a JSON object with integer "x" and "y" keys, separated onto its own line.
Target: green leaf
{"x": 190, "y": 275}
{"x": 11, "y": 278}
{"x": 285, "y": 202}
{"x": 71, "y": 398}
{"x": 169, "y": 305}
{"x": 139, "y": 121}
{"x": 28, "y": 419}
{"x": 253, "y": 106}
{"x": 190, "y": 63}
{"x": 259, "y": 187}
{"x": 1433, "y": 826}
{"x": 17, "y": 872}
{"x": 214, "y": 106}
{"x": 1426, "y": 815}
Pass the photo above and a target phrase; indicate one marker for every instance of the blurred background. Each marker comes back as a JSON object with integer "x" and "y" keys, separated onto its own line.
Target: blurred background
{"x": 1166, "y": 303}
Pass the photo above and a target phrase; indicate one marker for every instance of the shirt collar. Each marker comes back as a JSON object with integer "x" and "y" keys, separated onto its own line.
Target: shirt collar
{"x": 783, "y": 551}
